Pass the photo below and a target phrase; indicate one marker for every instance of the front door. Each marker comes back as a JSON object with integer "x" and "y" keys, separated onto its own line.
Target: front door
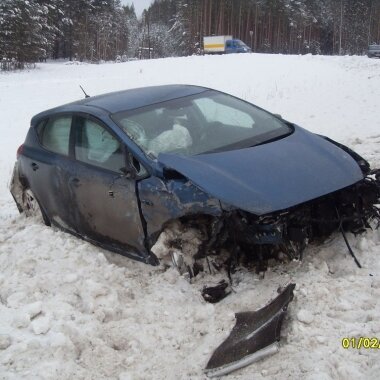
{"x": 107, "y": 209}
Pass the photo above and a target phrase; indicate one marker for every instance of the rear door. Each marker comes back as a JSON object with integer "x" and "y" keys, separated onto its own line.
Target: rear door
{"x": 103, "y": 195}
{"x": 46, "y": 165}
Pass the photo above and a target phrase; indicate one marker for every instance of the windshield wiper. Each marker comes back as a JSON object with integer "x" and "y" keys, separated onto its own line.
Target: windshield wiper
{"x": 275, "y": 138}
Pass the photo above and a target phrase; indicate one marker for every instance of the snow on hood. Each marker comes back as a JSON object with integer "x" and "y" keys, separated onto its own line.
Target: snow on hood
{"x": 273, "y": 176}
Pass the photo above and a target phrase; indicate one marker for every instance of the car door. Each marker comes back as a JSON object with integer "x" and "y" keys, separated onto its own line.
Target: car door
{"x": 229, "y": 46}
{"x": 103, "y": 193}
{"x": 46, "y": 166}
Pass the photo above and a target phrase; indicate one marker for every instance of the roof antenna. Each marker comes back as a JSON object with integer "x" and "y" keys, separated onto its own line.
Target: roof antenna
{"x": 86, "y": 96}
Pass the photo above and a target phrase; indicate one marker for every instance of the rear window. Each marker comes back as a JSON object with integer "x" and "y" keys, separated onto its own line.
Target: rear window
{"x": 55, "y": 135}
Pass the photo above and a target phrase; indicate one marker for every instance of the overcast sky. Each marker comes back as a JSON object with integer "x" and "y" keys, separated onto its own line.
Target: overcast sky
{"x": 140, "y": 5}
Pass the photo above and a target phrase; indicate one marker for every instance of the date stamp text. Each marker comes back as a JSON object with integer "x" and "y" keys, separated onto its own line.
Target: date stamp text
{"x": 361, "y": 342}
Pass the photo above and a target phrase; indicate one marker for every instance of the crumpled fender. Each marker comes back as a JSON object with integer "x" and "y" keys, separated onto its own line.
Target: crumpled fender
{"x": 162, "y": 202}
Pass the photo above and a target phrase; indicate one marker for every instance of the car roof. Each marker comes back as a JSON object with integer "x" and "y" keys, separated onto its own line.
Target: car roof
{"x": 127, "y": 100}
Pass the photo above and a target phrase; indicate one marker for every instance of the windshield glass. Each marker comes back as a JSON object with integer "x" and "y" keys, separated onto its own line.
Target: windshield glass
{"x": 241, "y": 44}
{"x": 207, "y": 122}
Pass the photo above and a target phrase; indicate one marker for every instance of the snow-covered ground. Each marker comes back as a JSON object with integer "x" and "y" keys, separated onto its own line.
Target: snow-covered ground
{"x": 71, "y": 310}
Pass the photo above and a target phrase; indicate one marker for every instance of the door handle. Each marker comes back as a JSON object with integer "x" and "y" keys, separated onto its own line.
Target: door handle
{"x": 75, "y": 182}
{"x": 34, "y": 166}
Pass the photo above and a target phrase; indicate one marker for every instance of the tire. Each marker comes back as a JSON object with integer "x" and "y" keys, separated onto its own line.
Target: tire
{"x": 32, "y": 208}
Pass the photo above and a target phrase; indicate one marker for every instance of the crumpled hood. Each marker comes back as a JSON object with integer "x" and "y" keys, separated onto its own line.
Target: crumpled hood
{"x": 273, "y": 176}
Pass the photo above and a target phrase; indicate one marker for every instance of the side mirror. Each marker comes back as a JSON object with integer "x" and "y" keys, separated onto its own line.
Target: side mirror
{"x": 277, "y": 115}
{"x": 126, "y": 173}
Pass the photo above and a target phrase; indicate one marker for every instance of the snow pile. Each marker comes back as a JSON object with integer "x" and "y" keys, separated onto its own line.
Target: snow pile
{"x": 71, "y": 310}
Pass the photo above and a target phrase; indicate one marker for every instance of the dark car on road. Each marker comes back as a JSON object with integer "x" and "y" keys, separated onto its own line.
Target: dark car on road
{"x": 373, "y": 51}
{"x": 118, "y": 169}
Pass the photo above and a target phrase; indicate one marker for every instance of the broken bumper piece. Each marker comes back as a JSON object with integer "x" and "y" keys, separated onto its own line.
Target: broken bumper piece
{"x": 254, "y": 336}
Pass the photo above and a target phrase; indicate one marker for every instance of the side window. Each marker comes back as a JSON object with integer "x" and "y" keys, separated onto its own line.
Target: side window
{"x": 40, "y": 129}
{"x": 216, "y": 112}
{"x": 229, "y": 44}
{"x": 96, "y": 146}
{"x": 55, "y": 136}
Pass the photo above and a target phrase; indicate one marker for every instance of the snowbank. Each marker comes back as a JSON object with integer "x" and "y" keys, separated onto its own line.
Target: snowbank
{"x": 71, "y": 310}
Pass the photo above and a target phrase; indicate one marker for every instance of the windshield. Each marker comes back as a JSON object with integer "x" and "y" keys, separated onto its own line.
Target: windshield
{"x": 207, "y": 122}
{"x": 241, "y": 44}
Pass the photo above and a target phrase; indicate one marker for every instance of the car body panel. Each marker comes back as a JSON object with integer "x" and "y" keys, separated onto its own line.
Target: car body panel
{"x": 272, "y": 176}
{"x": 162, "y": 202}
{"x": 45, "y": 174}
{"x": 106, "y": 207}
{"x": 125, "y": 100}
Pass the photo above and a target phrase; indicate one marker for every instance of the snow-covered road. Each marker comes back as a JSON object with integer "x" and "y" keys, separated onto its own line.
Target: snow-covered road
{"x": 71, "y": 310}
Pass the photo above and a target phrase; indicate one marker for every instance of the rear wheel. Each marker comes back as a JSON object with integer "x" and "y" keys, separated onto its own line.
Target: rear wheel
{"x": 32, "y": 208}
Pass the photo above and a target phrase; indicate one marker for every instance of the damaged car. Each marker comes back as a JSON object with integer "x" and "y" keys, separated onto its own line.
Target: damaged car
{"x": 119, "y": 169}
{"x": 199, "y": 179}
